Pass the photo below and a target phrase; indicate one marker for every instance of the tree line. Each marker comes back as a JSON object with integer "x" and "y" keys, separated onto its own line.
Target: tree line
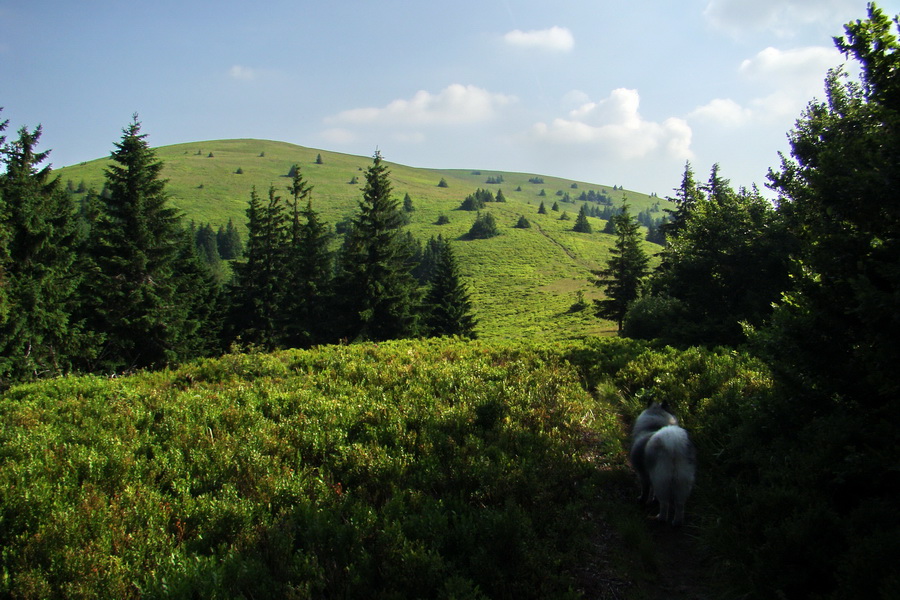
{"x": 123, "y": 282}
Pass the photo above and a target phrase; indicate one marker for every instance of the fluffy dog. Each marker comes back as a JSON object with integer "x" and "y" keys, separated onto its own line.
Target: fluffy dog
{"x": 665, "y": 461}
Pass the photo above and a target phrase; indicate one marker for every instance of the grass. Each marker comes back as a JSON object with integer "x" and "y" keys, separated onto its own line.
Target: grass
{"x": 522, "y": 282}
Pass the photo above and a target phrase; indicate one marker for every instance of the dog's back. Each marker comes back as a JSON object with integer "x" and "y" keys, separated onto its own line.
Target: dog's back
{"x": 670, "y": 461}
{"x": 649, "y": 422}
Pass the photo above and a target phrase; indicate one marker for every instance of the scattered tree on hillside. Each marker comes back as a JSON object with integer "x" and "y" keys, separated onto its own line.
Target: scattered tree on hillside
{"x": 319, "y": 160}
{"x": 624, "y": 272}
{"x": 485, "y": 226}
{"x": 582, "y": 225}
{"x": 443, "y": 183}
{"x": 522, "y": 223}
{"x": 542, "y": 210}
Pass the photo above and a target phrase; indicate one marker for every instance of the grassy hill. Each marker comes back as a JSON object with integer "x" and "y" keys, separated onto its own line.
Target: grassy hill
{"x": 523, "y": 282}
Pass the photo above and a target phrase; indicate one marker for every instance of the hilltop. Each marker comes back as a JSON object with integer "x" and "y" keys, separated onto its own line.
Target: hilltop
{"x": 523, "y": 282}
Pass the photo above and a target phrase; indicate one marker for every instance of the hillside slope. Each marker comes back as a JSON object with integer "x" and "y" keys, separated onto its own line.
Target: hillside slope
{"x": 523, "y": 282}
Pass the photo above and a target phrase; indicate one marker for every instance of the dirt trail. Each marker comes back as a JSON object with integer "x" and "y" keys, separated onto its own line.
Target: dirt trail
{"x": 681, "y": 574}
{"x": 635, "y": 557}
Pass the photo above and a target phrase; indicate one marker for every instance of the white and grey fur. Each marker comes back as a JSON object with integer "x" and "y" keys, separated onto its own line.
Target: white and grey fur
{"x": 665, "y": 461}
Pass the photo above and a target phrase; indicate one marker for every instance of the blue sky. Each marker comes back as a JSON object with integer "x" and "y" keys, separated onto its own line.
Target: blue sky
{"x": 606, "y": 92}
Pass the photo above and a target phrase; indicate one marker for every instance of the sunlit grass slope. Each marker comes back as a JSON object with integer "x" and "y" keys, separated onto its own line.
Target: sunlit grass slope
{"x": 523, "y": 282}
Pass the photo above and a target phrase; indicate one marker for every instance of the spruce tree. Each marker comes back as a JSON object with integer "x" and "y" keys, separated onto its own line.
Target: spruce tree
{"x": 448, "y": 303}
{"x": 137, "y": 292}
{"x": 309, "y": 273}
{"x": 228, "y": 241}
{"x": 626, "y": 268}
{"x": 581, "y": 223}
{"x": 39, "y": 335}
{"x": 258, "y": 289}
{"x": 542, "y": 210}
{"x": 377, "y": 290}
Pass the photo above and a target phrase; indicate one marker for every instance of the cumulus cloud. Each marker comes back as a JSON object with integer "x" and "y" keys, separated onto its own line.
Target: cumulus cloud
{"x": 242, "y": 73}
{"x": 805, "y": 66}
{"x": 786, "y": 81}
{"x": 779, "y": 16}
{"x": 723, "y": 112}
{"x": 454, "y": 105}
{"x": 615, "y": 127}
{"x": 558, "y": 39}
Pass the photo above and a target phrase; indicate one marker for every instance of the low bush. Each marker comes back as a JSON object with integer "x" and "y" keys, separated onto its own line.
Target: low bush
{"x": 411, "y": 469}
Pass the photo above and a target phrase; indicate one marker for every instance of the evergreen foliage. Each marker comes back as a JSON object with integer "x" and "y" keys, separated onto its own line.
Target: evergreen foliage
{"x": 375, "y": 282}
{"x": 624, "y": 272}
{"x": 309, "y": 292}
{"x": 448, "y": 304}
{"x": 442, "y": 183}
{"x": 542, "y": 210}
{"x": 485, "y": 226}
{"x": 523, "y": 223}
{"x": 228, "y": 241}
{"x": 259, "y": 287}
{"x": 725, "y": 263}
{"x": 582, "y": 225}
{"x": 40, "y": 334}
{"x": 477, "y": 200}
{"x": 138, "y": 290}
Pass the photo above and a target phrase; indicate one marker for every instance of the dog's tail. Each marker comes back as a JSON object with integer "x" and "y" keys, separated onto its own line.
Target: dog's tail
{"x": 671, "y": 463}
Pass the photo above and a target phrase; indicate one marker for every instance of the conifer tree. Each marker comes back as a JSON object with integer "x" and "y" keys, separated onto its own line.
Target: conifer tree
{"x": 137, "y": 292}
{"x": 448, "y": 303}
{"x": 582, "y": 225}
{"x": 39, "y": 335}
{"x": 376, "y": 286}
{"x": 258, "y": 289}
{"x": 309, "y": 273}
{"x": 542, "y": 210}
{"x": 626, "y": 268}
{"x": 485, "y": 226}
{"x": 228, "y": 241}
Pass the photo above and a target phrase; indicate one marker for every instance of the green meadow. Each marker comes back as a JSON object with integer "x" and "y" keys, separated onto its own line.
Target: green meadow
{"x": 523, "y": 282}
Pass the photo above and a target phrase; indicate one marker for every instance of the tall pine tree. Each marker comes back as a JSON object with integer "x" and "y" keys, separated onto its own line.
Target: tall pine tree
{"x": 626, "y": 268}
{"x": 40, "y": 274}
{"x": 137, "y": 291}
{"x": 258, "y": 289}
{"x": 448, "y": 303}
{"x": 309, "y": 271}
{"x": 376, "y": 286}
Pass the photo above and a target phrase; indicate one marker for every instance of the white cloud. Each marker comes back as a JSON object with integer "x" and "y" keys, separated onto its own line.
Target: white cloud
{"x": 557, "y": 39}
{"x": 802, "y": 66}
{"x": 242, "y": 73}
{"x": 794, "y": 77}
{"x": 723, "y": 112}
{"x": 615, "y": 128}
{"x": 780, "y": 16}
{"x": 454, "y": 105}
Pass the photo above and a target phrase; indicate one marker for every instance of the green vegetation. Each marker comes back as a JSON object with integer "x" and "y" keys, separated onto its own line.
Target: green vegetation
{"x": 520, "y": 289}
{"x": 454, "y": 468}
{"x": 405, "y": 469}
